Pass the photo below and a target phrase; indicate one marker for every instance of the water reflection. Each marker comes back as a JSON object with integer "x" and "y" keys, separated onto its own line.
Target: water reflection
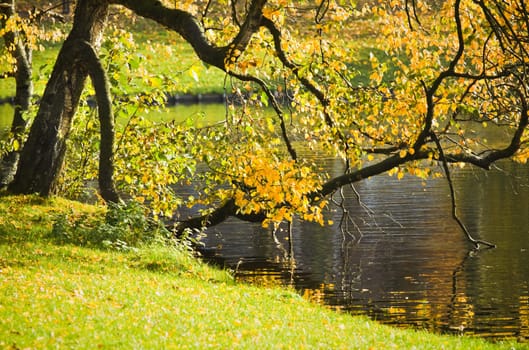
{"x": 405, "y": 262}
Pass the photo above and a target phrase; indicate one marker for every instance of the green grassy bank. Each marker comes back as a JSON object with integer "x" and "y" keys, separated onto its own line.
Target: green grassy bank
{"x": 160, "y": 60}
{"x": 157, "y": 297}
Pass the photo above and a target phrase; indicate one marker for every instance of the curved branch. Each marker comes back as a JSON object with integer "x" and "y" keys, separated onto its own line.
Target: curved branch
{"x": 309, "y": 85}
{"x": 381, "y": 167}
{"x": 516, "y": 140}
{"x": 213, "y": 218}
{"x": 276, "y": 108}
{"x": 276, "y": 34}
{"x": 183, "y": 23}
{"x": 229, "y": 208}
{"x": 88, "y": 57}
{"x": 192, "y": 31}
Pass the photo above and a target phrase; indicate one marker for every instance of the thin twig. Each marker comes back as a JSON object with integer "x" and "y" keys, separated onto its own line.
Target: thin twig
{"x": 446, "y": 169}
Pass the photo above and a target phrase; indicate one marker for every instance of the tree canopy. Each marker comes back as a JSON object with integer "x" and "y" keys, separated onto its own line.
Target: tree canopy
{"x": 438, "y": 77}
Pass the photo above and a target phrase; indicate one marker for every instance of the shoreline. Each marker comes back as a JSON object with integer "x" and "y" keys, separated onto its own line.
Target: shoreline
{"x": 173, "y": 99}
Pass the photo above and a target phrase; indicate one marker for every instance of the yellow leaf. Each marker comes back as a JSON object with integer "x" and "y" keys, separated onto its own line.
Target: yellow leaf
{"x": 193, "y": 74}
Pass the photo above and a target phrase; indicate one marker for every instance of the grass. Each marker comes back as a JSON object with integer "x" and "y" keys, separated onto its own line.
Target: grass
{"x": 172, "y": 61}
{"x": 163, "y": 53}
{"x": 67, "y": 296}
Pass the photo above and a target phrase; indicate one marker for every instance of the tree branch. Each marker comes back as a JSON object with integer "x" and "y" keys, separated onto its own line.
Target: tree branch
{"x": 275, "y": 106}
{"x": 213, "y": 218}
{"x": 192, "y": 31}
{"x": 309, "y": 85}
{"x": 432, "y": 90}
{"x": 88, "y": 57}
{"x": 444, "y": 163}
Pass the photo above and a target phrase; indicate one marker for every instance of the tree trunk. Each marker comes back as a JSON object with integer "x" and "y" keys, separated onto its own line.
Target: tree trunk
{"x": 106, "y": 119}
{"x": 24, "y": 90}
{"x": 42, "y": 157}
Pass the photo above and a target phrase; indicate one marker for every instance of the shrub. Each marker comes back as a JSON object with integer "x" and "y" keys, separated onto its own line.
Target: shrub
{"x": 124, "y": 227}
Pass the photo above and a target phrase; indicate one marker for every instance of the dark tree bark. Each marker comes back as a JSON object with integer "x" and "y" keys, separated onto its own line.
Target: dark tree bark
{"x": 97, "y": 73}
{"x": 24, "y": 89}
{"x": 43, "y": 153}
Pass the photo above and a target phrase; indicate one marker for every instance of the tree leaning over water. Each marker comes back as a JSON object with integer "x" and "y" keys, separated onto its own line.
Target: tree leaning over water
{"x": 439, "y": 80}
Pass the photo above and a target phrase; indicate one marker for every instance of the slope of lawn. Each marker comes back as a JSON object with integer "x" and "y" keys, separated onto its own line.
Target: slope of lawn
{"x": 156, "y": 296}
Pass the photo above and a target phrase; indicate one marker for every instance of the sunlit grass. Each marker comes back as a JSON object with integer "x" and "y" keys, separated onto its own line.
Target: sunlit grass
{"x": 167, "y": 55}
{"x": 43, "y": 62}
{"x": 158, "y": 297}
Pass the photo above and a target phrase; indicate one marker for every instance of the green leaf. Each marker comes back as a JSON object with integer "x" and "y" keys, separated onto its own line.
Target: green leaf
{"x": 264, "y": 99}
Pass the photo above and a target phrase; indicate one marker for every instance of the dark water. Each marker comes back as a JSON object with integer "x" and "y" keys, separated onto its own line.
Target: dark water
{"x": 403, "y": 260}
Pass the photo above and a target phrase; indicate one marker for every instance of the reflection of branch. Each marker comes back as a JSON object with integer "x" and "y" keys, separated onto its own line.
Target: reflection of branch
{"x": 345, "y": 219}
{"x": 476, "y": 242}
{"x": 453, "y": 299}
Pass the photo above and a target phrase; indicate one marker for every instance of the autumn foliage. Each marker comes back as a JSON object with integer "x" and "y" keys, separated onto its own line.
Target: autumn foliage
{"x": 403, "y": 87}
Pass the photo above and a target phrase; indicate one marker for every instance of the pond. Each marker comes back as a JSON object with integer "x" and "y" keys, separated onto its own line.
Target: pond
{"x": 403, "y": 260}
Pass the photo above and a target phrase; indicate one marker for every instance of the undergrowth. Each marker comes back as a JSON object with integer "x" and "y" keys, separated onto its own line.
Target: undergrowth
{"x": 124, "y": 227}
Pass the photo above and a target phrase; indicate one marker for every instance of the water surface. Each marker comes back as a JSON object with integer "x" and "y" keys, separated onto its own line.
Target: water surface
{"x": 403, "y": 260}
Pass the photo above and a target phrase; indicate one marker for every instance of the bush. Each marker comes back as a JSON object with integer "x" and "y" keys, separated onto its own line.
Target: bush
{"x": 124, "y": 227}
